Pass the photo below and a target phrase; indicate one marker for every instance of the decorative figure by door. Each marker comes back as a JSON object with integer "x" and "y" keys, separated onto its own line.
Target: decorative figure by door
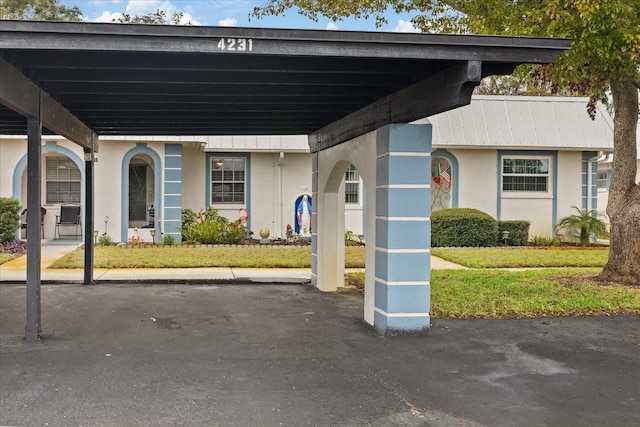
{"x": 442, "y": 180}
{"x": 303, "y": 216}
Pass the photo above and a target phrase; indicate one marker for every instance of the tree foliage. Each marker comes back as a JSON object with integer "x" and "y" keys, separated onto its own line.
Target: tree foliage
{"x": 38, "y": 10}
{"x": 604, "y": 56}
{"x": 159, "y": 17}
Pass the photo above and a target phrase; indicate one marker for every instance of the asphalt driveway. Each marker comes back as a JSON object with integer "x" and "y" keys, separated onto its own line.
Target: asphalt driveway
{"x": 271, "y": 355}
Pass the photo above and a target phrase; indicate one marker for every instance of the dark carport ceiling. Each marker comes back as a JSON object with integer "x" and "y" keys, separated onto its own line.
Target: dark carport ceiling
{"x": 154, "y": 80}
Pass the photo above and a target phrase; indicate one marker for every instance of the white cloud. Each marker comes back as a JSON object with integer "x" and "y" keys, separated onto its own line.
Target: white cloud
{"x": 188, "y": 19}
{"x": 331, "y": 26}
{"x": 228, "y": 22}
{"x": 405, "y": 27}
{"x": 143, "y": 7}
{"x": 108, "y": 16}
{"x": 98, "y": 3}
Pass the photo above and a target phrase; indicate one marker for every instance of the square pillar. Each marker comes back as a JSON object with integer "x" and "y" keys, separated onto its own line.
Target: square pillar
{"x": 33, "y": 327}
{"x": 403, "y": 229}
{"x": 314, "y": 219}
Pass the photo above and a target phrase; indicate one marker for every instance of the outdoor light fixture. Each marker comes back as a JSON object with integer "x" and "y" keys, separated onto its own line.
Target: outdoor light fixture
{"x": 95, "y": 236}
{"x": 153, "y": 235}
{"x": 505, "y": 236}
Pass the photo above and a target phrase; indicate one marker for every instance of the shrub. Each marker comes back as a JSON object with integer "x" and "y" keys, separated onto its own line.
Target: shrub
{"x": 105, "y": 240}
{"x": 168, "y": 239}
{"x": 14, "y": 247}
{"x": 209, "y": 227}
{"x": 9, "y": 219}
{"x": 463, "y": 227}
{"x": 540, "y": 240}
{"x": 582, "y": 226}
{"x": 518, "y": 232}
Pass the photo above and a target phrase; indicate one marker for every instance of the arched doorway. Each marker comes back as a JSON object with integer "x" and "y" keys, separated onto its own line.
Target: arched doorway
{"x": 141, "y": 179}
{"x": 141, "y": 192}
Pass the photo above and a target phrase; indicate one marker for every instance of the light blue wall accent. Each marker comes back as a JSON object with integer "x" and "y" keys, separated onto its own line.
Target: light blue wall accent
{"x": 407, "y": 170}
{"x": 403, "y": 234}
{"x": 401, "y": 298}
{"x": 48, "y": 147}
{"x": 173, "y": 175}
{"x": 402, "y": 267}
{"x": 173, "y": 149}
{"x": 402, "y": 202}
{"x": 553, "y": 174}
{"x": 172, "y": 161}
{"x": 247, "y": 180}
{"x": 172, "y": 201}
{"x": 140, "y": 148}
{"x": 402, "y": 244}
{"x": 173, "y": 188}
{"x": 403, "y": 137}
{"x": 455, "y": 181}
{"x": 172, "y": 214}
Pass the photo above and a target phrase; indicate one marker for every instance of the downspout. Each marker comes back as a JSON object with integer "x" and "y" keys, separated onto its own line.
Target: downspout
{"x": 279, "y": 195}
{"x": 590, "y": 196}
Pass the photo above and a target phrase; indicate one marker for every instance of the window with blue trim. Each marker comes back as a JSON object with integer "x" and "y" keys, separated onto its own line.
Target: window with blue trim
{"x": 228, "y": 180}
{"x": 525, "y": 174}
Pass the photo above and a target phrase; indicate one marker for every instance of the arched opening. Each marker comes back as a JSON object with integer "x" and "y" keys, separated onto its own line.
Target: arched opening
{"x": 141, "y": 192}
{"x": 62, "y": 182}
{"x": 140, "y": 184}
{"x": 441, "y": 183}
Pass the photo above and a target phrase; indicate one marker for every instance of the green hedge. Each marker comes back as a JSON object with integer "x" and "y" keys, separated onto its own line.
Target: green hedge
{"x": 463, "y": 227}
{"x": 518, "y": 232}
{"x": 9, "y": 219}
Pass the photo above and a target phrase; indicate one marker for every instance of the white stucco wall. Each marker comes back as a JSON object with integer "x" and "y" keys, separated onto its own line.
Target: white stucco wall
{"x": 477, "y": 179}
{"x": 275, "y": 184}
{"x": 194, "y": 188}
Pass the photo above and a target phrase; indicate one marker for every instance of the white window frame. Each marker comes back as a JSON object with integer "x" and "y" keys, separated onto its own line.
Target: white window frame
{"x": 527, "y": 193}
{"x": 233, "y": 181}
{"x": 61, "y": 172}
{"x": 358, "y": 184}
{"x": 605, "y": 180}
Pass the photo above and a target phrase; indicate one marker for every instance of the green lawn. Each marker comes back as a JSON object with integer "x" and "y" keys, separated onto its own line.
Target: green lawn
{"x": 524, "y": 257}
{"x": 5, "y": 257}
{"x": 482, "y": 292}
{"x": 531, "y": 293}
{"x": 183, "y": 256}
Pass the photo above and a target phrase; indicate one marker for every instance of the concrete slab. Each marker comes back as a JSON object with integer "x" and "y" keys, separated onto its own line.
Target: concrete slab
{"x": 161, "y": 355}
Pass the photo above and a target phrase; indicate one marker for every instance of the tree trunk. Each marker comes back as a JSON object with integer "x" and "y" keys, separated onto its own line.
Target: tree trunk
{"x": 624, "y": 193}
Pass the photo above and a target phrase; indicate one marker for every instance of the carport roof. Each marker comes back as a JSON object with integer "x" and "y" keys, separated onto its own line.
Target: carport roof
{"x": 121, "y": 79}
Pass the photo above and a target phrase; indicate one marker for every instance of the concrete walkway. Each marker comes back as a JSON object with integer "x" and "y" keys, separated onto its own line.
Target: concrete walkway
{"x": 15, "y": 271}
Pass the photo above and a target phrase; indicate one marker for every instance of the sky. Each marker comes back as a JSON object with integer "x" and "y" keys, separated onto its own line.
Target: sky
{"x": 234, "y": 13}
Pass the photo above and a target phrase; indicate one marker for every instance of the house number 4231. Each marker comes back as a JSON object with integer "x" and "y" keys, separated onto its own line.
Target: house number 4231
{"x": 232, "y": 44}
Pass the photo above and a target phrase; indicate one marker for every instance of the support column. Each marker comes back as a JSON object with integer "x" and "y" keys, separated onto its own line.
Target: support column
{"x": 314, "y": 219}
{"x": 34, "y": 151}
{"x": 403, "y": 229}
{"x": 89, "y": 239}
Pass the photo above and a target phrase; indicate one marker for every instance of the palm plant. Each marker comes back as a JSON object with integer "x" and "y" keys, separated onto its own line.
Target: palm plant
{"x": 582, "y": 225}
